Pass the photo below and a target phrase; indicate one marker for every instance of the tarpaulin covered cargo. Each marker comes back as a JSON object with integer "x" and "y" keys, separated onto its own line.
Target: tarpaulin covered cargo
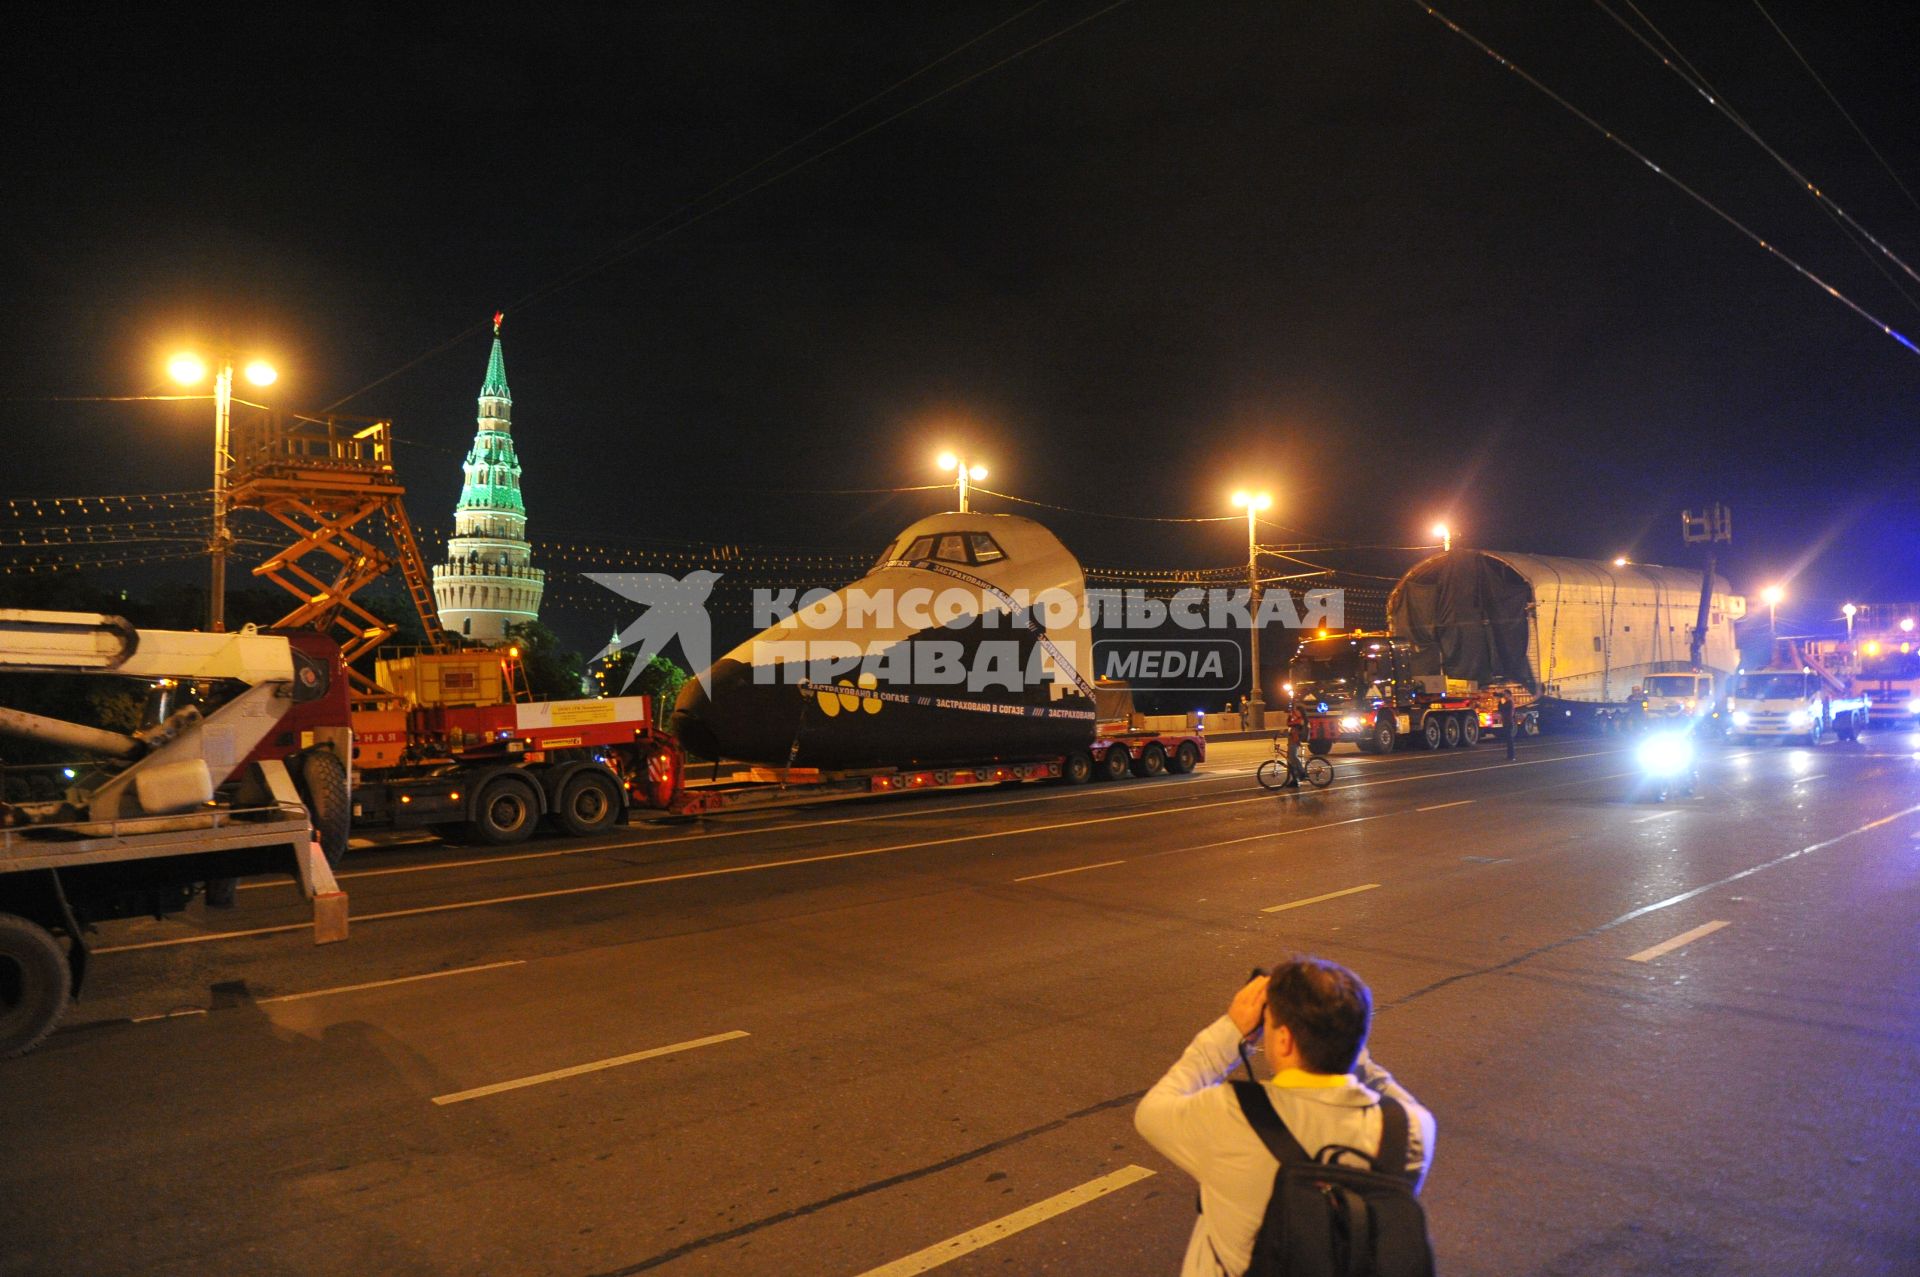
{"x": 1571, "y": 629}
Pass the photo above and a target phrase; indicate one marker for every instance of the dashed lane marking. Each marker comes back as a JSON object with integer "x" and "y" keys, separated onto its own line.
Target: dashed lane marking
{"x": 1658, "y": 815}
{"x": 1184, "y": 808}
{"x": 382, "y": 984}
{"x": 1007, "y": 1225}
{"x": 1443, "y": 806}
{"x": 1055, "y": 873}
{"x": 1314, "y": 900}
{"x": 556, "y": 1075}
{"x": 1684, "y": 938}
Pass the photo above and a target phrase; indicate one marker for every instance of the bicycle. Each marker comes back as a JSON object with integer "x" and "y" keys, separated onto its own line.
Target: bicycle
{"x": 1273, "y": 773}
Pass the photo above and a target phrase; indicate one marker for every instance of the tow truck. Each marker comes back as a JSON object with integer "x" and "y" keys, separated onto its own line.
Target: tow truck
{"x": 240, "y": 770}
{"x": 1359, "y": 686}
{"x": 1803, "y": 705}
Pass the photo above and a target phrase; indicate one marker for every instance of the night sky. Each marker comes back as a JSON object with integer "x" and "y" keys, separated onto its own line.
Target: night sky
{"x": 1326, "y": 248}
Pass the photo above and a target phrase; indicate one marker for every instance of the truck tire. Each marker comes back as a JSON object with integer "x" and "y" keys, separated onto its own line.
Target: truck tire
{"x": 1432, "y": 734}
{"x": 504, "y": 812}
{"x": 322, "y": 782}
{"x": 1152, "y": 762}
{"x": 1383, "y": 738}
{"x": 589, "y": 803}
{"x": 1186, "y": 756}
{"x": 35, "y": 983}
{"x": 1076, "y": 768}
{"x": 1846, "y": 728}
{"x": 1816, "y": 734}
{"x": 1116, "y": 763}
{"x": 1469, "y": 730}
{"x": 1320, "y": 748}
{"x": 1530, "y": 725}
{"x": 1449, "y": 731}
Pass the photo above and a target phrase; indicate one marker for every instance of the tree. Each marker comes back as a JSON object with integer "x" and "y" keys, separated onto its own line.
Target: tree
{"x": 552, "y": 672}
{"x": 661, "y": 680}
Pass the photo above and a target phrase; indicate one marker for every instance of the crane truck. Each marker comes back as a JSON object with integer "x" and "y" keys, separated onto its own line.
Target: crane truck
{"x": 1360, "y": 686}
{"x": 239, "y": 770}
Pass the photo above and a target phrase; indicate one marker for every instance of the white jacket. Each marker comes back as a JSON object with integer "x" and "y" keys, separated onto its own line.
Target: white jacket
{"x": 1196, "y": 1121}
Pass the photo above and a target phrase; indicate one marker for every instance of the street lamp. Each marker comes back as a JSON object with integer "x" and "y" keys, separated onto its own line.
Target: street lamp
{"x": 1772, "y": 596}
{"x": 1445, "y": 534}
{"x": 189, "y": 370}
{"x": 1848, "y": 611}
{"x": 1619, "y": 560}
{"x": 1254, "y": 503}
{"x": 962, "y": 473}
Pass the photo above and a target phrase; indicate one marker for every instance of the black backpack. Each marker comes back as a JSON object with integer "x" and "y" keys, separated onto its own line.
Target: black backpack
{"x": 1329, "y": 1220}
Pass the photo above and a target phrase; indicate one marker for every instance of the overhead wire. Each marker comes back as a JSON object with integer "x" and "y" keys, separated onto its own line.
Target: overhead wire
{"x": 1844, "y": 114}
{"x": 1615, "y": 139}
{"x": 1856, "y": 234}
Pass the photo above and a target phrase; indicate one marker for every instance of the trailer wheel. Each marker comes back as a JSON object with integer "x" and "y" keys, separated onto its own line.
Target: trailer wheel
{"x": 323, "y": 785}
{"x": 1186, "y": 756}
{"x": 589, "y": 803}
{"x": 1152, "y": 762}
{"x": 1530, "y": 725}
{"x": 1449, "y": 731}
{"x": 35, "y": 983}
{"x": 1076, "y": 768}
{"x": 1115, "y": 763}
{"x": 1432, "y": 735}
{"x": 1469, "y": 730}
{"x": 505, "y": 813}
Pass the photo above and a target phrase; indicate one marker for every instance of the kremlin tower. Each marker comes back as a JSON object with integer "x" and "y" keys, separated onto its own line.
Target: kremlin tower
{"x": 488, "y": 581}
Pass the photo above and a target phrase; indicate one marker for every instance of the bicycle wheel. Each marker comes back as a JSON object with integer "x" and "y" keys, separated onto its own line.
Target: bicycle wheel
{"x": 1319, "y": 772}
{"x": 1272, "y": 774}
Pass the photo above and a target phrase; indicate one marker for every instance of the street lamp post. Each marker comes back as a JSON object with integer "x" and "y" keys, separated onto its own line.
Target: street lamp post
{"x": 962, "y": 473}
{"x": 1445, "y": 534}
{"x": 1254, "y": 502}
{"x": 1772, "y": 595}
{"x": 188, "y": 370}
{"x": 1849, "y": 611}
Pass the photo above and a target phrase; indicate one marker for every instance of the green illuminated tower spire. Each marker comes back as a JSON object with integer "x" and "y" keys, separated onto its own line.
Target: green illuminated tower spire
{"x": 488, "y": 581}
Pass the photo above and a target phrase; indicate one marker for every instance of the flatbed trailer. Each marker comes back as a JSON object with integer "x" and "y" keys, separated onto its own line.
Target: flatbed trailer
{"x": 1112, "y": 756}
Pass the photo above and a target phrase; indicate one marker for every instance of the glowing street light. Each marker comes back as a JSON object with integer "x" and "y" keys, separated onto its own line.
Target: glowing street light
{"x": 962, "y": 473}
{"x": 1848, "y": 611}
{"x": 190, "y": 370}
{"x": 1906, "y": 626}
{"x": 1620, "y": 560}
{"x": 1253, "y": 503}
{"x": 1771, "y": 596}
{"x": 1445, "y": 534}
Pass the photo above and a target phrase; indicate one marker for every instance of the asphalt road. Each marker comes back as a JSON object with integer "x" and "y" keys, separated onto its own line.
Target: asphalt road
{"x": 835, "y": 1037}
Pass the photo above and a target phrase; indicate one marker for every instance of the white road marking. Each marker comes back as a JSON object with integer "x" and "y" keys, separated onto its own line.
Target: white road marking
{"x": 1007, "y": 1225}
{"x": 1684, "y": 938}
{"x": 758, "y": 866}
{"x": 556, "y": 1075}
{"x": 1658, "y": 815}
{"x": 1314, "y": 900}
{"x": 1815, "y": 776}
{"x": 1443, "y": 806}
{"x": 1076, "y": 869}
{"x": 381, "y": 984}
{"x": 168, "y": 1015}
{"x": 1748, "y": 872}
{"x": 1206, "y": 777}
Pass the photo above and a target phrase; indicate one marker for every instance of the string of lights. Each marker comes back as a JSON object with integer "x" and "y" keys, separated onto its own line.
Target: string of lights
{"x": 1615, "y": 139}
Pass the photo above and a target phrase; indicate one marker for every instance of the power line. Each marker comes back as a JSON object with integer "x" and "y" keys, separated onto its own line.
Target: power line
{"x": 1858, "y": 131}
{"x": 1106, "y": 514}
{"x": 1663, "y": 174}
{"x": 1690, "y": 76}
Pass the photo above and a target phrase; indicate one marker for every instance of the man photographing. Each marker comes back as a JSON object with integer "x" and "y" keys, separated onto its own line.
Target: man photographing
{"x": 1311, "y": 1017}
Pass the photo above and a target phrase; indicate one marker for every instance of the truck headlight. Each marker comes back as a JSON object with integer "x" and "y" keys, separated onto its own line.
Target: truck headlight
{"x": 1799, "y": 718}
{"x": 1741, "y": 718}
{"x": 1913, "y": 706}
{"x": 1350, "y": 722}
